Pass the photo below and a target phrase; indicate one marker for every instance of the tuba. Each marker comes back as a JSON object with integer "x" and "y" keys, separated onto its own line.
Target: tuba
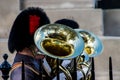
{"x": 58, "y": 41}
{"x": 93, "y": 47}
{"x": 93, "y": 44}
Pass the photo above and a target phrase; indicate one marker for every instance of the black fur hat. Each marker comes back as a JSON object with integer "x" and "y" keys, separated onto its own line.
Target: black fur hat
{"x": 24, "y": 26}
{"x": 68, "y": 22}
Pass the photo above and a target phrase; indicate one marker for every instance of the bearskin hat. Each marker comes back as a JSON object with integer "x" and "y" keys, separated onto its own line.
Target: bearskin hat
{"x": 24, "y": 26}
{"x": 68, "y": 22}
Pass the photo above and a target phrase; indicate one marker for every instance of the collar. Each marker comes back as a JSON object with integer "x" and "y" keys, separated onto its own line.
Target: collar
{"x": 27, "y": 59}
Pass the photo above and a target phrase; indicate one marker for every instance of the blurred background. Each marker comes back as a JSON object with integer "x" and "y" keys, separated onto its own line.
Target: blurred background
{"x": 102, "y": 17}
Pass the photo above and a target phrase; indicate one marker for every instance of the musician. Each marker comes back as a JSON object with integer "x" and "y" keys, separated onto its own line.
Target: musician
{"x": 68, "y": 22}
{"x": 74, "y": 25}
{"x": 21, "y": 42}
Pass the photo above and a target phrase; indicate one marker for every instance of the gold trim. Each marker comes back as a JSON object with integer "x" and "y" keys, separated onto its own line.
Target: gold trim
{"x": 19, "y": 64}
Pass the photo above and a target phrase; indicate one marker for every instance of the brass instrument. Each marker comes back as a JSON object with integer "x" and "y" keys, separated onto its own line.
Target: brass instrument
{"x": 58, "y": 41}
{"x": 93, "y": 47}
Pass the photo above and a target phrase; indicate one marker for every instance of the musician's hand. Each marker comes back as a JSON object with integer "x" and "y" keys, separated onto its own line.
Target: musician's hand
{"x": 39, "y": 56}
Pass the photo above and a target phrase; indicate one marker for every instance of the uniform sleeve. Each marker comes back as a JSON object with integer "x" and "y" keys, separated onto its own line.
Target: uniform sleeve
{"x": 17, "y": 74}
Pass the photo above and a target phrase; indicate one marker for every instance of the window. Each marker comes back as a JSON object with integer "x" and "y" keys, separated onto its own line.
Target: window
{"x": 108, "y": 4}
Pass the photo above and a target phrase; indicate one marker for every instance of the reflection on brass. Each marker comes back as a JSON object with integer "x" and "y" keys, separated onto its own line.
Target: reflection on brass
{"x": 57, "y": 36}
{"x": 57, "y": 47}
{"x": 87, "y": 37}
{"x": 89, "y": 50}
{"x": 89, "y": 40}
